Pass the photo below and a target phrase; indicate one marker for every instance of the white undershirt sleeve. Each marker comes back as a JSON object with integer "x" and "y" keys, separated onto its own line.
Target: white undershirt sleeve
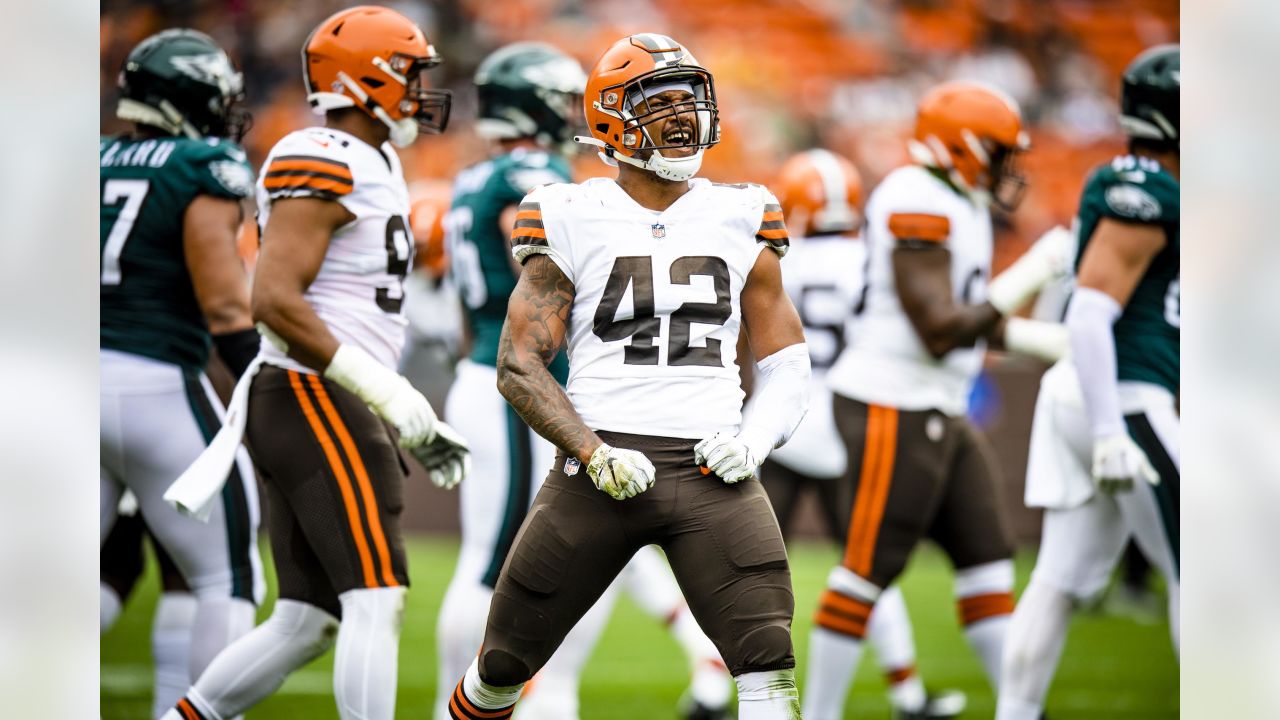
{"x": 1090, "y": 318}
{"x": 781, "y": 399}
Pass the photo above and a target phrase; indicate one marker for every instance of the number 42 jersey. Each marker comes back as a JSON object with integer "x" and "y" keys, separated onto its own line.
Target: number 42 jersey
{"x": 359, "y": 289}
{"x": 653, "y": 330}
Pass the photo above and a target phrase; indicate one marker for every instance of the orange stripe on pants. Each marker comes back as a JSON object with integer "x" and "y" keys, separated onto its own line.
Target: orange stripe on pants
{"x": 344, "y": 482}
{"x": 873, "y": 488}
{"x": 362, "y": 480}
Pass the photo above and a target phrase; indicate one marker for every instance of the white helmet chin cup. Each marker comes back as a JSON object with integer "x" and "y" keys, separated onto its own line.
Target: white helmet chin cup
{"x": 674, "y": 169}
{"x": 403, "y": 132}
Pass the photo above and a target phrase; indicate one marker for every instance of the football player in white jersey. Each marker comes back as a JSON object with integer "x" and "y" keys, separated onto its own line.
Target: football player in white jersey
{"x": 529, "y": 104}
{"x": 649, "y": 279}
{"x": 321, "y": 412}
{"x": 916, "y": 465}
{"x": 821, "y": 197}
{"x": 1104, "y": 457}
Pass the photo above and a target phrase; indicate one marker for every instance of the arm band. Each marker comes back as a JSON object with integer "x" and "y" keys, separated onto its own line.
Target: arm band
{"x": 781, "y": 399}
{"x": 238, "y": 348}
{"x": 1048, "y": 341}
{"x": 1089, "y": 319}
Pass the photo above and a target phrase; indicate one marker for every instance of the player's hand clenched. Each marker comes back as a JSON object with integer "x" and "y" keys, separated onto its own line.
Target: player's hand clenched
{"x": 1118, "y": 462}
{"x": 620, "y": 473}
{"x": 731, "y": 457}
{"x": 386, "y": 392}
{"x": 447, "y": 457}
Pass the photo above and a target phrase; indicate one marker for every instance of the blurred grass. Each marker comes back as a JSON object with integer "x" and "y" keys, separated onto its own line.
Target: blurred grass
{"x": 1113, "y": 668}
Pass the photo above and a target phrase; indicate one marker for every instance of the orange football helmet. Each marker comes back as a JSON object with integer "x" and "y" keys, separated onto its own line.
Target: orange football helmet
{"x": 973, "y": 132}
{"x": 820, "y": 192}
{"x": 375, "y": 59}
{"x": 617, "y": 108}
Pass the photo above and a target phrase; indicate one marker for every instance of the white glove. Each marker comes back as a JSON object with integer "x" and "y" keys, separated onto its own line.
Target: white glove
{"x": 386, "y": 392}
{"x": 446, "y": 457}
{"x": 1049, "y": 258}
{"x": 1118, "y": 462}
{"x": 620, "y": 473}
{"x": 731, "y": 457}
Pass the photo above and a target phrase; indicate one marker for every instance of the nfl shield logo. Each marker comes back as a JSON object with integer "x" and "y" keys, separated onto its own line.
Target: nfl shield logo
{"x": 659, "y": 230}
{"x": 571, "y": 466}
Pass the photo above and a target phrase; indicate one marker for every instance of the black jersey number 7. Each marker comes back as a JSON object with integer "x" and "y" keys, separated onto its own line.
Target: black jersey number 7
{"x": 644, "y": 326}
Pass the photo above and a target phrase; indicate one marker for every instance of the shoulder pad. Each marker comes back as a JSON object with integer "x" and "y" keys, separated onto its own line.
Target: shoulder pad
{"x": 309, "y": 163}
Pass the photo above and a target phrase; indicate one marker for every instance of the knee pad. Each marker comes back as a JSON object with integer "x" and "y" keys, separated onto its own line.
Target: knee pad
{"x": 374, "y": 606}
{"x": 307, "y": 627}
{"x": 502, "y": 669}
{"x": 761, "y": 637}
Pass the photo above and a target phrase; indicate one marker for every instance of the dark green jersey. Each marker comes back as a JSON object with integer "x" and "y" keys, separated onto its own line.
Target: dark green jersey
{"x": 148, "y": 305}
{"x": 479, "y": 251}
{"x": 1135, "y": 189}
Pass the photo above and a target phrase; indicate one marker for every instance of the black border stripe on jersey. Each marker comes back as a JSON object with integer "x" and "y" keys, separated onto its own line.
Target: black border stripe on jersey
{"x": 519, "y": 488}
{"x": 772, "y": 208}
{"x": 530, "y": 223}
{"x": 235, "y": 504}
{"x": 302, "y": 191}
{"x": 342, "y": 179}
{"x": 772, "y": 225}
{"x": 309, "y": 158}
{"x": 518, "y": 240}
{"x": 1168, "y": 491}
{"x": 525, "y": 206}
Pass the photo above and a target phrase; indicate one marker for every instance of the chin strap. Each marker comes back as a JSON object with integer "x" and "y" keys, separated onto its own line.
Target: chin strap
{"x": 403, "y": 131}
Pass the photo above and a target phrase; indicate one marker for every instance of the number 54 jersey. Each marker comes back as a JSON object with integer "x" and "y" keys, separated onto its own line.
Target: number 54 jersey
{"x": 359, "y": 289}
{"x": 653, "y": 330}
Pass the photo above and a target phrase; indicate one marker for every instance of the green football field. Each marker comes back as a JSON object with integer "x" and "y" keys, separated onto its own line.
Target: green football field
{"x": 1114, "y": 667}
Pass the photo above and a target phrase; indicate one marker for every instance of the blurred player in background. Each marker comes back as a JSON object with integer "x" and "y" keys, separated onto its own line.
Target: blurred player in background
{"x": 1110, "y": 412}
{"x": 821, "y": 196}
{"x": 172, "y": 285}
{"x": 649, "y": 278}
{"x": 327, "y": 294}
{"x": 530, "y": 103}
{"x": 916, "y": 466}
{"x": 431, "y": 304}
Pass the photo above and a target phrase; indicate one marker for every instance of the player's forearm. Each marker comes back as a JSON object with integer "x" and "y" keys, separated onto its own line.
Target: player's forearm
{"x": 523, "y": 379}
{"x": 1089, "y": 320}
{"x": 956, "y": 326}
{"x": 294, "y": 323}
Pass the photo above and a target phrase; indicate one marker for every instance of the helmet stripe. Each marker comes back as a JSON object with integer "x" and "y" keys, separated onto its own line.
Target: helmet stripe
{"x": 834, "y": 183}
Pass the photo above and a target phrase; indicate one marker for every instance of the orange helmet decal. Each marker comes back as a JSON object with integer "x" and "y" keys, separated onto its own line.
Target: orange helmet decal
{"x": 820, "y": 192}
{"x": 374, "y": 58}
{"x": 972, "y": 132}
{"x": 617, "y": 103}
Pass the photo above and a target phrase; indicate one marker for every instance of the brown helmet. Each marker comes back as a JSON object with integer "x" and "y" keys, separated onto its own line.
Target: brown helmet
{"x": 973, "y": 132}
{"x": 820, "y": 192}
{"x": 618, "y": 113}
{"x": 374, "y": 58}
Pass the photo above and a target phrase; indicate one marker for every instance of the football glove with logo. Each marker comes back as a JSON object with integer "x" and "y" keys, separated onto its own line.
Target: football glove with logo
{"x": 446, "y": 457}
{"x": 1118, "y": 462}
{"x": 733, "y": 458}
{"x": 620, "y": 473}
{"x": 387, "y": 393}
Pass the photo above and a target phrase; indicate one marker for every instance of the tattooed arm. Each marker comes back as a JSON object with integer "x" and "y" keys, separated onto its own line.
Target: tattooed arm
{"x": 537, "y": 320}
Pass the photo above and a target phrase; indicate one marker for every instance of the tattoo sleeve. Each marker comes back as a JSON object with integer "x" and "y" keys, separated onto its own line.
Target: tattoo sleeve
{"x": 537, "y": 321}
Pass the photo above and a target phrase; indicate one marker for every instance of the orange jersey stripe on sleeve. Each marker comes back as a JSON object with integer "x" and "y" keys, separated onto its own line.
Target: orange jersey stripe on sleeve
{"x": 919, "y": 226}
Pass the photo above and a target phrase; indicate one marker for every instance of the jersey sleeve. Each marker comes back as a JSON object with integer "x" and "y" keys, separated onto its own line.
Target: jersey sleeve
{"x": 1132, "y": 194}
{"x": 221, "y": 169}
{"x": 918, "y": 229}
{"x": 772, "y": 230}
{"x": 302, "y": 165}
{"x": 530, "y": 235}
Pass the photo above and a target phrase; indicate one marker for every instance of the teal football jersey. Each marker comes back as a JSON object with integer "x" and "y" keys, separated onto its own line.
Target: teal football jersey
{"x": 148, "y": 305}
{"x": 479, "y": 251}
{"x": 1135, "y": 189}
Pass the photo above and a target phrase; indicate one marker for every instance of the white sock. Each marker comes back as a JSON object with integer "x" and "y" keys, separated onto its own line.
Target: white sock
{"x": 984, "y": 594}
{"x": 365, "y": 662}
{"x": 459, "y": 634}
{"x": 171, "y": 648}
{"x": 219, "y": 621}
{"x": 553, "y": 692}
{"x": 1033, "y": 647}
{"x": 109, "y": 607}
{"x": 255, "y": 666}
{"x": 484, "y": 696}
{"x": 833, "y": 659}
{"x": 889, "y": 632}
{"x": 768, "y": 695}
